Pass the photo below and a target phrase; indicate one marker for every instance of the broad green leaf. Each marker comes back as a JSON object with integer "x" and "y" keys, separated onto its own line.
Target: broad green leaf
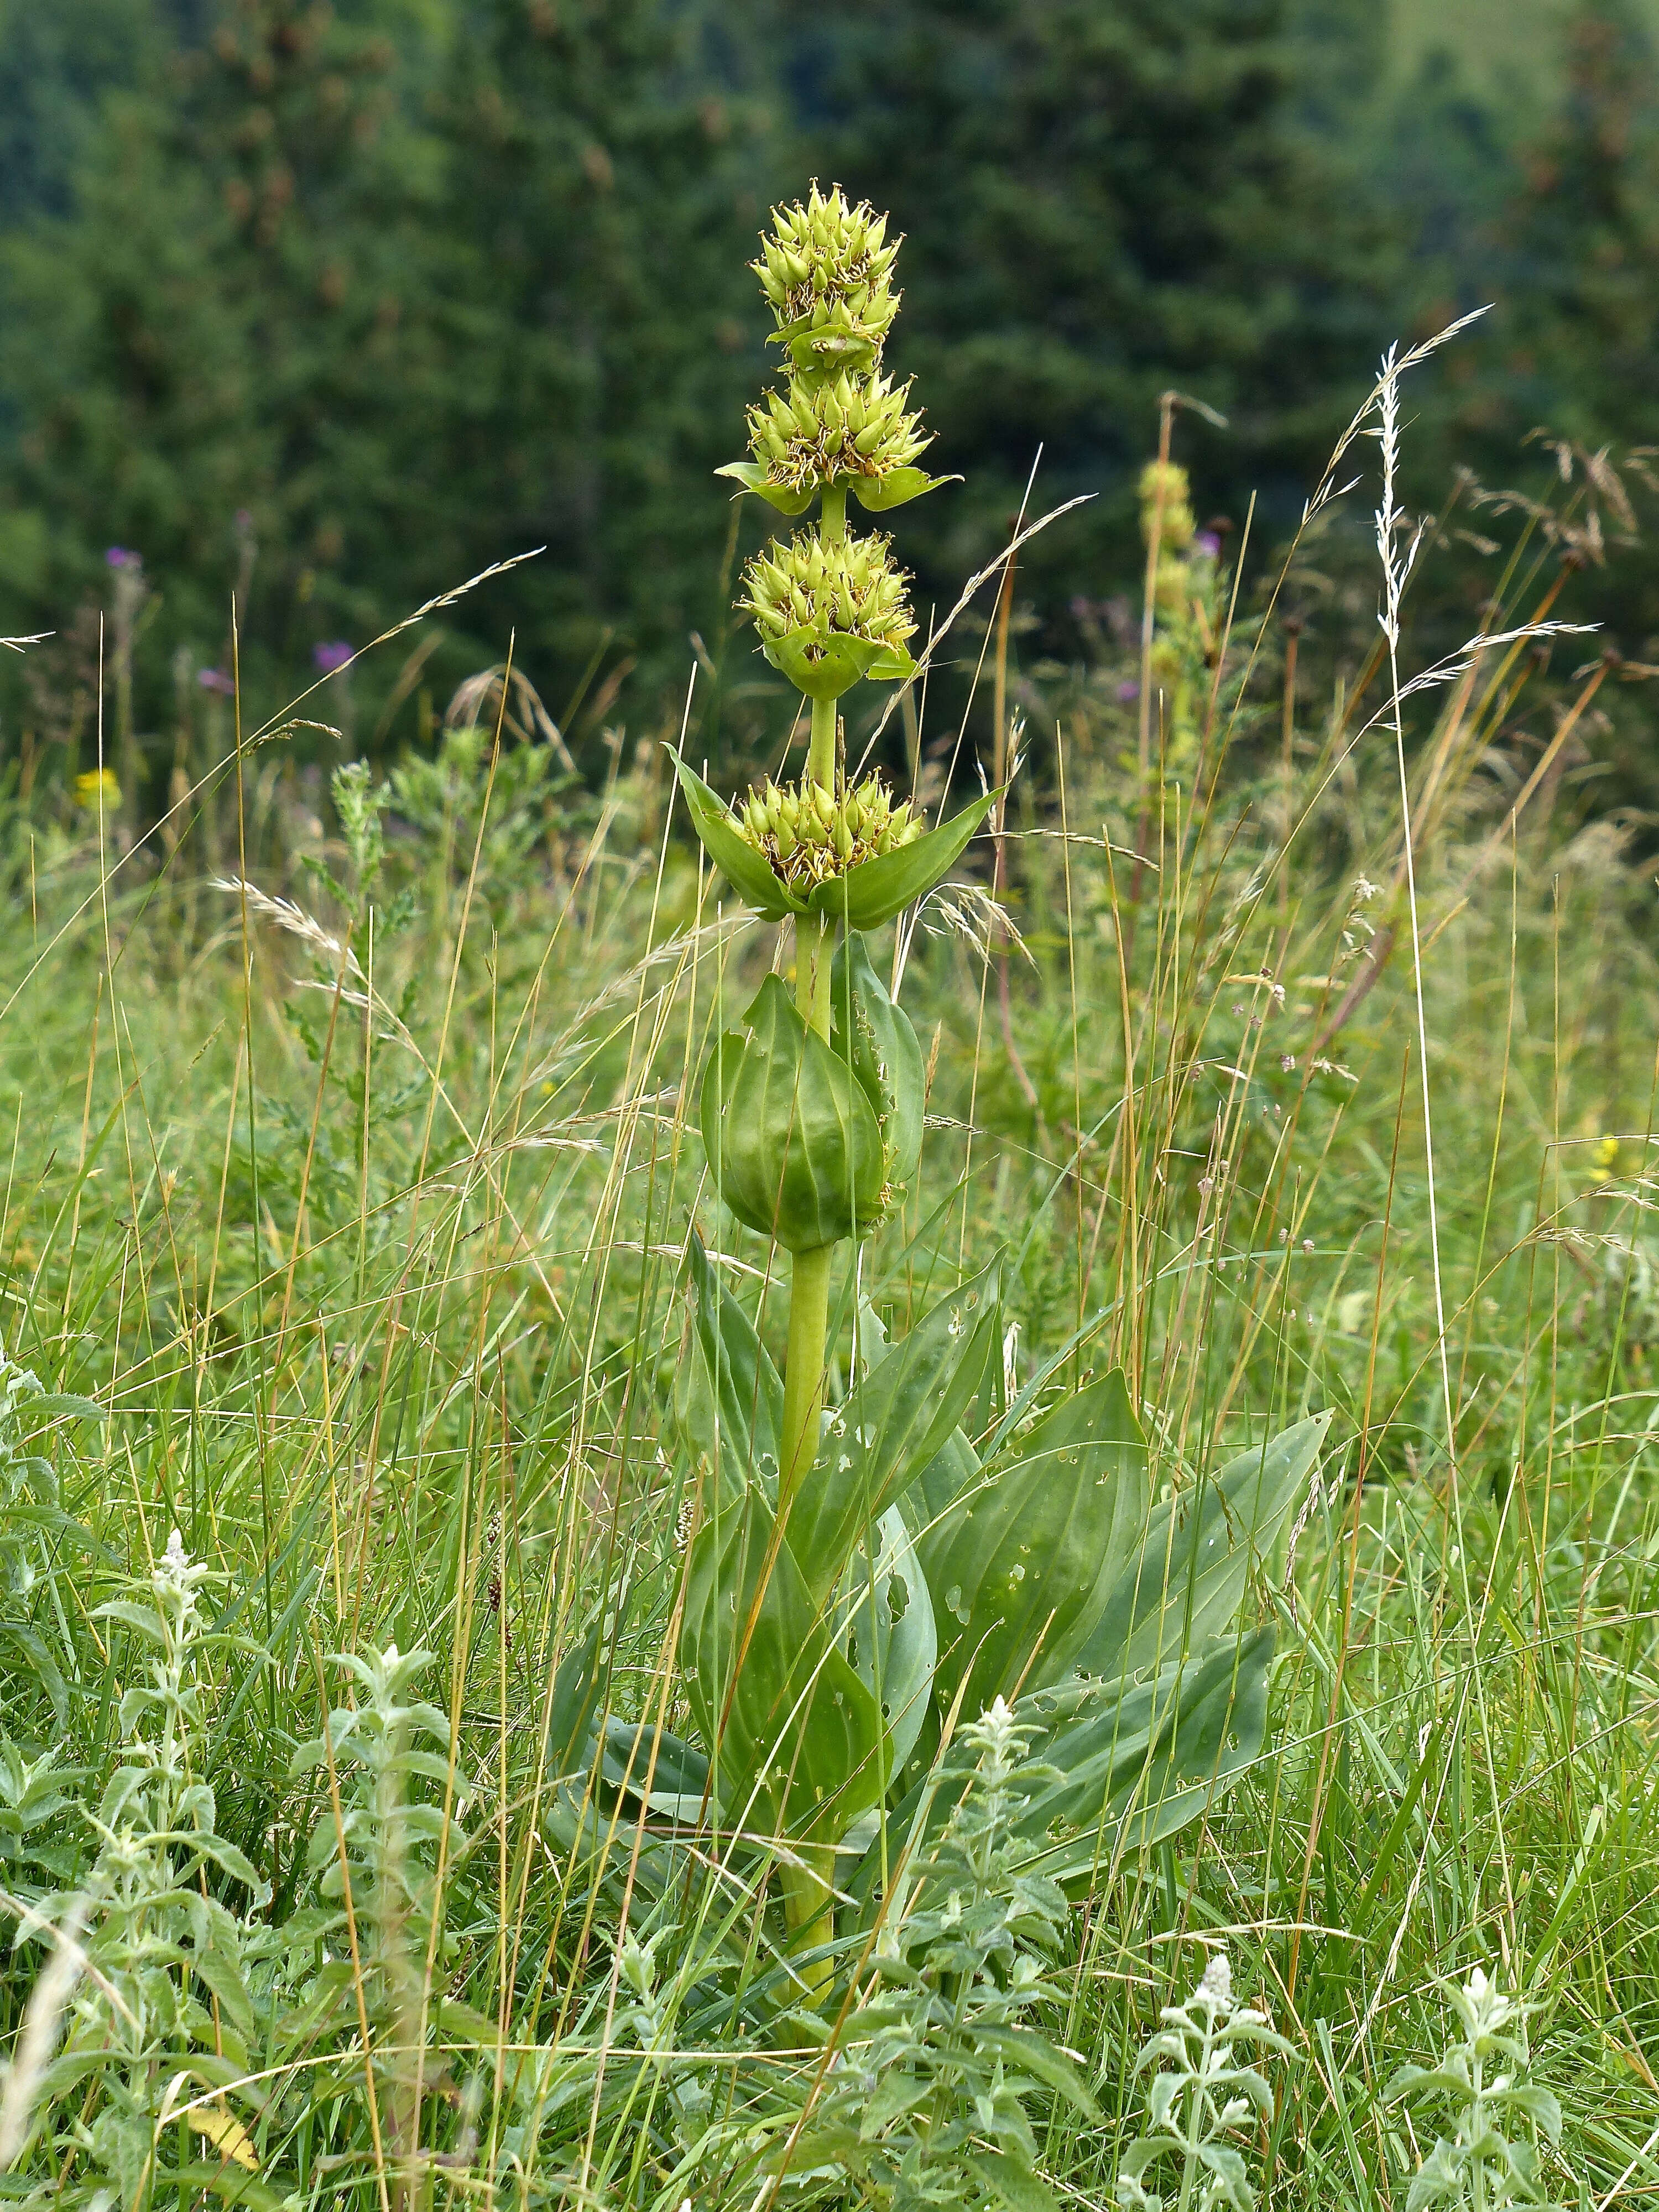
{"x": 875, "y": 890}
{"x": 752, "y": 478}
{"x": 875, "y": 1040}
{"x": 891, "y": 1425}
{"x": 1189, "y": 1578}
{"x": 575, "y": 1693}
{"x": 1021, "y": 1565}
{"x": 791, "y": 1138}
{"x": 678, "y": 1771}
{"x": 1134, "y": 1761}
{"x": 795, "y": 1739}
{"x": 728, "y": 1400}
{"x": 749, "y": 872}
{"x": 884, "y": 1620}
{"x": 1140, "y": 1761}
{"x": 950, "y": 1471}
{"x": 878, "y": 494}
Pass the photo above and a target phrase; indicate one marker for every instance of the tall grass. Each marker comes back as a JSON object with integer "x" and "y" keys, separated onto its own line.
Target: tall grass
{"x": 345, "y": 1206}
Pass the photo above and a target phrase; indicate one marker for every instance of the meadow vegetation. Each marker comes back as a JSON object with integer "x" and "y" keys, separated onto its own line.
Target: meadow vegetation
{"x": 1287, "y": 1043}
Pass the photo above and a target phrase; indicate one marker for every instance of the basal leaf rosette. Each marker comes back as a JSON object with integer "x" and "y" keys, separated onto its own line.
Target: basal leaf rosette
{"x": 861, "y": 887}
{"x": 843, "y": 432}
{"x": 830, "y": 614}
{"x": 826, "y": 269}
{"x": 792, "y": 1138}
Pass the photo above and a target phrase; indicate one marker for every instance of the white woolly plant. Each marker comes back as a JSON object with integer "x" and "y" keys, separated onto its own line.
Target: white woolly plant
{"x": 1483, "y": 2079}
{"x": 1207, "y": 2091}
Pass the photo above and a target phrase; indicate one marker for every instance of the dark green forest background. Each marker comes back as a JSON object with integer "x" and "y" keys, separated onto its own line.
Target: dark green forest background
{"x": 333, "y": 306}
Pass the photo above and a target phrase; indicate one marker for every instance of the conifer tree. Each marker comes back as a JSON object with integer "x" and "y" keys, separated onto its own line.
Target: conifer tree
{"x": 1102, "y": 203}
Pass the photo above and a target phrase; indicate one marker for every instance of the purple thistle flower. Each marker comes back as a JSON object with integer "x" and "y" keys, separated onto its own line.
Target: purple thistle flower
{"x": 214, "y": 679}
{"x": 1207, "y": 545}
{"x": 118, "y": 557}
{"x": 1127, "y": 689}
{"x": 332, "y": 655}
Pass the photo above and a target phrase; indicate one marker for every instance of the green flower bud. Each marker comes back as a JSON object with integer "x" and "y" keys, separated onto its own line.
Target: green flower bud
{"x": 805, "y": 596}
{"x": 792, "y": 1139}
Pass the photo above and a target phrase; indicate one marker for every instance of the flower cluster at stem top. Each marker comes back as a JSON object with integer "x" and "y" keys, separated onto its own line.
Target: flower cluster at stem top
{"x": 827, "y": 273}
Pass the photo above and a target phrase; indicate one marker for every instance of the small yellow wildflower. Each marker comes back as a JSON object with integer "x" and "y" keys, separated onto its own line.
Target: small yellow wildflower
{"x": 1604, "y": 1156}
{"x": 97, "y": 790}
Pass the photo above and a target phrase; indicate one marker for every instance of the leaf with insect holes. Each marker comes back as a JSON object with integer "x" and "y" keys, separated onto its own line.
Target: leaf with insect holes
{"x": 1188, "y": 1580}
{"x": 728, "y": 1400}
{"x": 885, "y": 1621}
{"x": 1133, "y": 1761}
{"x": 1023, "y": 1562}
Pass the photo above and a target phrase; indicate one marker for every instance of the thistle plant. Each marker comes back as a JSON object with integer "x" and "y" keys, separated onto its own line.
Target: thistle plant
{"x": 854, "y": 1578}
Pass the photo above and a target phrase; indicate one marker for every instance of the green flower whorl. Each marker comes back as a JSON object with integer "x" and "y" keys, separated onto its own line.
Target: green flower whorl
{"x": 851, "y": 588}
{"x": 834, "y": 430}
{"x": 810, "y": 835}
{"x": 826, "y": 270}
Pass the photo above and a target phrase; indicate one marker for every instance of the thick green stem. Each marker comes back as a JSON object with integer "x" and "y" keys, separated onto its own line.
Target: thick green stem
{"x": 809, "y": 1281}
{"x": 809, "y": 1912}
{"x": 802, "y": 1375}
{"x": 808, "y": 1900}
{"x": 820, "y": 754}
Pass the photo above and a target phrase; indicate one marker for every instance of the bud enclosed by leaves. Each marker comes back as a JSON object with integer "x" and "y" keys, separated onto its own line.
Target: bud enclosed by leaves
{"x": 810, "y": 835}
{"x": 889, "y": 863}
{"x": 792, "y": 1138}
